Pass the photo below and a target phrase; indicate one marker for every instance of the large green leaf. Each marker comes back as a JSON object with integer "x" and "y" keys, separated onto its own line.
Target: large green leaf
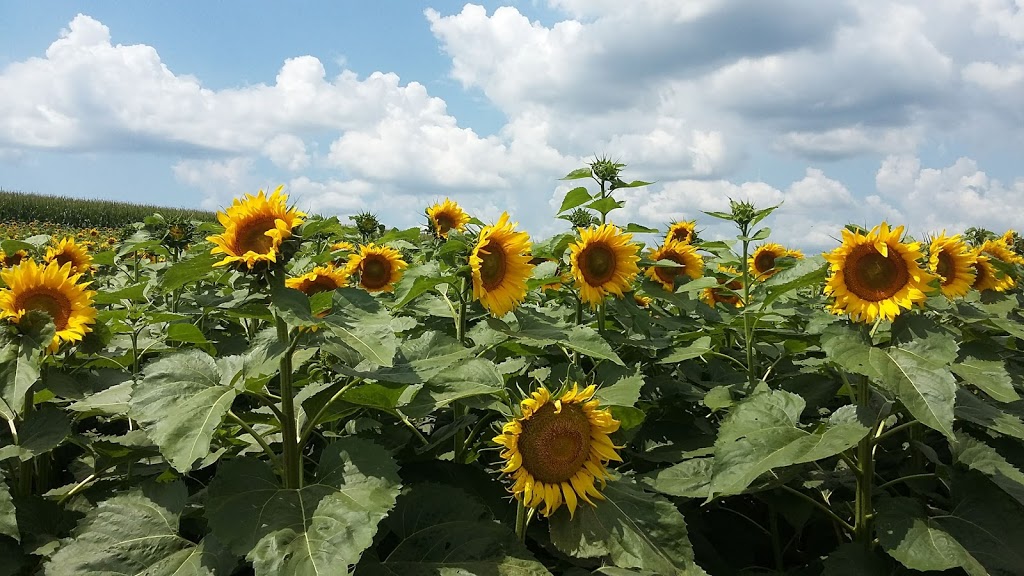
{"x": 474, "y": 377}
{"x": 687, "y": 479}
{"x": 19, "y": 370}
{"x": 365, "y": 326}
{"x": 43, "y": 430}
{"x": 539, "y": 329}
{"x": 187, "y": 271}
{"x": 989, "y": 375}
{"x": 442, "y": 529}
{"x": 574, "y": 198}
{"x": 8, "y": 516}
{"x": 137, "y": 533}
{"x": 917, "y": 373}
{"x": 629, "y": 529}
{"x": 417, "y": 360}
{"x": 321, "y": 528}
{"x": 180, "y": 403}
{"x": 979, "y": 456}
{"x": 691, "y": 350}
{"x": 761, "y": 433}
{"x": 110, "y": 402}
{"x": 974, "y": 409}
{"x": 849, "y": 349}
{"x": 851, "y": 559}
{"x": 624, "y": 390}
{"x": 921, "y": 543}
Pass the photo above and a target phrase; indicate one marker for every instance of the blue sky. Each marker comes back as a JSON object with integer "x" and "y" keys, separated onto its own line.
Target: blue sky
{"x": 860, "y": 111}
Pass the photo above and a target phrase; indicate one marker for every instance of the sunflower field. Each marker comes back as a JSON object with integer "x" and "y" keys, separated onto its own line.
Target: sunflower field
{"x": 282, "y": 393}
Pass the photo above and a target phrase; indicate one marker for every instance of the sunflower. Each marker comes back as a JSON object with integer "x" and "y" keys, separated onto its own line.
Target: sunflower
{"x": 953, "y": 262}
{"x": 68, "y": 252}
{"x": 254, "y": 229}
{"x": 13, "y": 259}
{"x": 557, "y": 449}
{"x": 680, "y": 253}
{"x": 53, "y": 289}
{"x": 500, "y": 264}
{"x": 762, "y": 263}
{"x": 447, "y": 216}
{"x": 1001, "y": 250}
{"x": 342, "y": 246}
{"x": 985, "y": 275}
{"x": 681, "y": 232}
{"x": 728, "y": 294}
{"x": 875, "y": 274}
{"x": 379, "y": 267}
{"x": 641, "y": 300}
{"x": 320, "y": 279}
{"x": 603, "y": 261}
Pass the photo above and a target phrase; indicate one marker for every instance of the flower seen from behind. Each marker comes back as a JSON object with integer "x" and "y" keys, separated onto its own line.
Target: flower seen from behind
{"x": 500, "y": 266}
{"x": 53, "y": 289}
{"x": 603, "y": 261}
{"x": 556, "y": 450}
{"x": 876, "y": 275}
{"x": 255, "y": 229}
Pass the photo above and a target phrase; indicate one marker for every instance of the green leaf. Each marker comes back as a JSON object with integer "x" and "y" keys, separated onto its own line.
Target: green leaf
{"x": 634, "y": 228}
{"x": 973, "y": 409}
{"x": 629, "y": 529}
{"x": 418, "y": 280}
{"x": 917, "y": 375}
{"x": 180, "y": 403}
{"x": 417, "y": 360}
{"x": 761, "y": 433}
{"x": 538, "y": 329}
{"x": 8, "y": 515}
{"x": 851, "y": 559}
{"x": 19, "y": 370}
{"x": 687, "y": 479}
{"x": 983, "y": 458}
{"x": 606, "y": 205}
{"x": 187, "y": 271}
{"x": 293, "y": 306}
{"x": 625, "y": 391}
{"x": 695, "y": 349}
{"x": 442, "y": 529}
{"x": 808, "y": 272}
{"x": 321, "y": 528}
{"x": 578, "y": 173}
{"x": 988, "y": 375}
{"x": 135, "y": 293}
{"x": 137, "y": 533}
{"x": 365, "y": 327}
{"x": 110, "y": 402}
{"x": 474, "y": 377}
{"x": 575, "y": 197}
{"x": 849, "y": 349}
{"x": 44, "y": 429}
{"x": 920, "y": 543}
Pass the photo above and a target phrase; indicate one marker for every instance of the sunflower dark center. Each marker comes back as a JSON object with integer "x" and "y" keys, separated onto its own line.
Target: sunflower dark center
{"x": 873, "y": 277}
{"x": 444, "y": 222}
{"x": 682, "y": 235}
{"x": 765, "y": 261}
{"x": 946, "y": 268}
{"x": 668, "y": 275}
{"x": 63, "y": 258}
{"x": 376, "y": 272}
{"x": 597, "y": 262}
{"x": 52, "y": 302}
{"x": 981, "y": 274}
{"x": 493, "y": 265}
{"x": 252, "y": 236}
{"x": 322, "y": 283}
{"x": 555, "y": 446}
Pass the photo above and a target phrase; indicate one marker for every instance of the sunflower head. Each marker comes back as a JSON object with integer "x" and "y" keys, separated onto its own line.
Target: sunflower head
{"x": 67, "y": 251}
{"x": 557, "y": 448}
{"x": 320, "y": 279}
{"x": 342, "y": 246}
{"x": 954, "y": 263}
{"x": 13, "y": 259}
{"x": 255, "y": 231}
{"x": 986, "y": 277}
{"x": 445, "y": 217}
{"x": 681, "y": 253}
{"x": 728, "y": 291}
{"x": 762, "y": 262}
{"x": 53, "y": 289}
{"x": 603, "y": 261}
{"x": 642, "y": 300}
{"x": 876, "y": 275}
{"x": 378, "y": 267}
{"x": 179, "y": 233}
{"x": 685, "y": 232}
{"x": 500, "y": 266}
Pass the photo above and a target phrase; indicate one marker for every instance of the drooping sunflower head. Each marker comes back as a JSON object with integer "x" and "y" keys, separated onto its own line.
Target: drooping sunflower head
{"x": 67, "y": 251}
{"x": 953, "y": 262}
{"x": 728, "y": 290}
{"x": 378, "y": 267}
{"x": 603, "y": 261}
{"x": 875, "y": 275}
{"x": 446, "y": 216}
{"x": 557, "y": 448}
{"x": 319, "y": 279}
{"x": 255, "y": 229}
{"x": 342, "y": 246}
{"x": 682, "y": 232}
{"x": 681, "y": 253}
{"x": 762, "y": 263}
{"x": 999, "y": 250}
{"x": 13, "y": 259}
{"x": 500, "y": 266}
{"x": 53, "y": 289}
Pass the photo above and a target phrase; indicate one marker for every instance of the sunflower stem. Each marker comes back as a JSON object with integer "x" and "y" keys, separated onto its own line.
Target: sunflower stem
{"x": 289, "y": 437}
{"x": 259, "y": 439}
{"x": 748, "y": 329}
{"x": 601, "y": 311}
{"x": 522, "y": 520}
{"x": 864, "y": 512}
{"x": 26, "y": 468}
{"x": 460, "y": 410}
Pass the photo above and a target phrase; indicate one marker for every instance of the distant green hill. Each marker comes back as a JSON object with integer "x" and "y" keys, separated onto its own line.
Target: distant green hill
{"x": 79, "y": 213}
